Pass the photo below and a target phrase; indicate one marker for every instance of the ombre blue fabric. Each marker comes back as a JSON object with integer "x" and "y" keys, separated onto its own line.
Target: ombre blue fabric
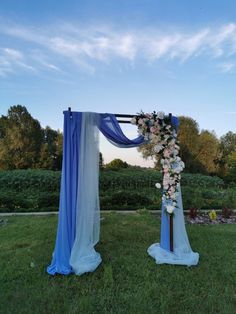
{"x": 69, "y": 203}
{"x": 68, "y": 195}
{"x": 78, "y": 221}
{"x": 182, "y": 253}
{"x": 111, "y": 129}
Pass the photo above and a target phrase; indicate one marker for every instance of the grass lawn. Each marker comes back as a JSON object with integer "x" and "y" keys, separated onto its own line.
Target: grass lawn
{"x": 128, "y": 280}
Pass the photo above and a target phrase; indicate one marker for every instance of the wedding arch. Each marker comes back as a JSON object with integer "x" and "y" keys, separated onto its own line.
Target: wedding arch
{"x": 79, "y": 211}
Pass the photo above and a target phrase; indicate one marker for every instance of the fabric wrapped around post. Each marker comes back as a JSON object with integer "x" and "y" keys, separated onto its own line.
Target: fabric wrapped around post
{"x": 68, "y": 195}
{"x": 79, "y": 211}
{"x": 76, "y": 238}
{"x": 182, "y": 253}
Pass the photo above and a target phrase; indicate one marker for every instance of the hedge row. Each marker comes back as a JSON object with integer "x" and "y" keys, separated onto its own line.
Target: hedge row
{"x": 49, "y": 181}
{"x": 11, "y": 201}
{"x": 34, "y": 180}
{"x": 36, "y": 190}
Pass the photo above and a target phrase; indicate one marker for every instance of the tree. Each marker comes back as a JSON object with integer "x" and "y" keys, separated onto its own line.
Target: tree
{"x": 188, "y": 136}
{"x": 231, "y": 174}
{"x": 208, "y": 151}
{"x": 21, "y": 138}
{"x": 51, "y": 150}
{"x": 101, "y": 162}
{"x": 227, "y": 147}
{"x": 117, "y": 164}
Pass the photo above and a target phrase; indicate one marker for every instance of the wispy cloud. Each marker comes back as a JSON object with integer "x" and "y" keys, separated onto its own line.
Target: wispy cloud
{"x": 84, "y": 45}
{"x": 227, "y": 67}
{"x": 11, "y": 60}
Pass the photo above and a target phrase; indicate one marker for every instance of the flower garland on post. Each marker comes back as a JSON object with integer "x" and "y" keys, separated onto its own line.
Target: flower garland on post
{"x": 158, "y": 129}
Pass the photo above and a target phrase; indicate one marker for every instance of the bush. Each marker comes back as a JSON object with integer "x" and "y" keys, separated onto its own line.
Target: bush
{"x": 34, "y": 180}
{"x": 129, "y": 198}
{"x": 117, "y": 164}
{"x": 226, "y": 212}
{"x": 15, "y": 202}
{"x": 130, "y": 188}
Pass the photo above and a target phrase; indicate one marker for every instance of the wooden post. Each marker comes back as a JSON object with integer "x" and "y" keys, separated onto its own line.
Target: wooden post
{"x": 171, "y": 233}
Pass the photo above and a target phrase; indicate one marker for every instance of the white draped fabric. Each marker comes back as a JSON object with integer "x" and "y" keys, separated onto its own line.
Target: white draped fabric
{"x": 74, "y": 250}
{"x": 84, "y": 258}
{"x": 182, "y": 253}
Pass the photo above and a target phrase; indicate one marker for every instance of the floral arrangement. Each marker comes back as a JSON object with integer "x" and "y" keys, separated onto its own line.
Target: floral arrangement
{"x": 157, "y": 128}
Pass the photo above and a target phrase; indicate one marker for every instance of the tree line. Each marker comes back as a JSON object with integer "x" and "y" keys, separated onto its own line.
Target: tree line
{"x": 202, "y": 151}
{"x": 24, "y": 143}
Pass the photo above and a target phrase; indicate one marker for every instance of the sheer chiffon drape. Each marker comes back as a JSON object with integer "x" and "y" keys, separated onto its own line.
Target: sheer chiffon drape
{"x": 79, "y": 212}
{"x": 182, "y": 254}
{"x": 66, "y": 229}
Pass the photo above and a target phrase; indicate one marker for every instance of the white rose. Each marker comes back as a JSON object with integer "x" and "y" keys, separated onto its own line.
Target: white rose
{"x": 133, "y": 120}
{"x": 152, "y": 137}
{"x": 160, "y": 115}
{"x": 157, "y": 148}
{"x": 140, "y": 121}
{"x": 162, "y": 161}
{"x": 158, "y": 185}
{"x": 170, "y": 209}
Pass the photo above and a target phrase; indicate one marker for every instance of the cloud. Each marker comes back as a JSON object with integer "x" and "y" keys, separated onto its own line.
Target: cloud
{"x": 226, "y": 67}
{"x": 11, "y": 60}
{"x": 85, "y": 45}
{"x": 13, "y": 54}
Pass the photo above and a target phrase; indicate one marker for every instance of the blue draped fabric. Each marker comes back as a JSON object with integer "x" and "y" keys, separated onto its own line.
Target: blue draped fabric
{"x": 182, "y": 253}
{"x": 111, "y": 129}
{"x": 73, "y": 167}
{"x": 68, "y": 195}
{"x": 79, "y": 211}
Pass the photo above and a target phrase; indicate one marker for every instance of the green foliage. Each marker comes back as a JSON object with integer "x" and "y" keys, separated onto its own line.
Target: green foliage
{"x": 231, "y": 173}
{"x": 127, "y": 281}
{"x": 34, "y": 180}
{"x": 51, "y": 150}
{"x": 229, "y": 199}
{"x": 25, "y": 144}
{"x": 200, "y": 180}
{"x": 117, "y": 164}
{"x": 126, "y": 189}
{"x": 202, "y": 152}
{"x": 138, "y": 178}
{"x": 208, "y": 151}
{"x": 101, "y": 162}
{"x": 226, "y": 160}
{"x": 129, "y": 198}
{"x": 20, "y": 141}
{"x": 192, "y": 198}
{"x": 25, "y": 201}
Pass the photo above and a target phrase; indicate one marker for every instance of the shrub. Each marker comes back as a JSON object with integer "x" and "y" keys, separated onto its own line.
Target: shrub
{"x": 212, "y": 214}
{"x": 34, "y": 180}
{"x": 129, "y": 198}
{"x": 192, "y": 213}
{"x": 226, "y": 212}
{"x": 117, "y": 164}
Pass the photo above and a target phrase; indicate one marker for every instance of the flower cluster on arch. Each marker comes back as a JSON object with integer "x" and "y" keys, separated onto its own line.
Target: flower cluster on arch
{"x": 158, "y": 129}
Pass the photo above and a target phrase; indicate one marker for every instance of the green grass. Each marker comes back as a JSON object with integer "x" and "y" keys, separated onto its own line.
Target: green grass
{"x": 128, "y": 280}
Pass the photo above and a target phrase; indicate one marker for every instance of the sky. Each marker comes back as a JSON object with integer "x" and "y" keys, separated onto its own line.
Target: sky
{"x": 120, "y": 57}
